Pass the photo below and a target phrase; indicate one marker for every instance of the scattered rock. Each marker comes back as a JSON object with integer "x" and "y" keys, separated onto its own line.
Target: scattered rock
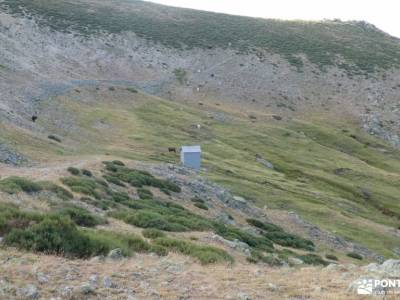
{"x": 390, "y": 268}
{"x": 9, "y": 156}
{"x": 115, "y": 254}
{"x": 341, "y": 171}
{"x": 93, "y": 279}
{"x": 272, "y": 287}
{"x": 243, "y": 296}
{"x": 29, "y": 291}
{"x": 264, "y": 162}
{"x": 42, "y": 278}
{"x": 86, "y": 289}
{"x": 108, "y": 283}
{"x": 225, "y": 218}
{"x": 235, "y": 244}
{"x": 395, "y": 250}
{"x": 295, "y": 261}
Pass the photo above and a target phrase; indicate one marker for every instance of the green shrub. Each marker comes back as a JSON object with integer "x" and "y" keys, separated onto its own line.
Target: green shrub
{"x": 118, "y": 163}
{"x": 331, "y": 257}
{"x": 81, "y": 216}
{"x": 313, "y": 259}
{"x": 53, "y": 235}
{"x": 132, "y": 90}
{"x": 277, "y": 235}
{"x": 104, "y": 205}
{"x": 87, "y": 173}
{"x": 159, "y": 250}
{"x": 165, "y": 191}
{"x": 263, "y": 226}
{"x": 128, "y": 243}
{"x": 58, "y": 234}
{"x": 13, "y": 218}
{"x": 180, "y": 75}
{"x": 231, "y": 233}
{"x": 138, "y": 178}
{"x": 289, "y": 240}
{"x": 152, "y": 233}
{"x": 201, "y": 206}
{"x": 101, "y": 182}
{"x": 120, "y": 197}
{"x": 144, "y": 193}
{"x": 17, "y": 184}
{"x": 113, "y": 180}
{"x": 197, "y": 200}
{"x": 54, "y": 138}
{"x": 165, "y": 216}
{"x": 354, "y": 255}
{"x": 205, "y": 254}
{"x": 74, "y": 171}
{"x": 259, "y": 256}
{"x": 59, "y": 191}
{"x": 82, "y": 185}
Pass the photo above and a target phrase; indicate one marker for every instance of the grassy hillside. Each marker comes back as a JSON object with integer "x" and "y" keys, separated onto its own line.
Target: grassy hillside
{"x": 333, "y": 175}
{"x": 356, "y": 47}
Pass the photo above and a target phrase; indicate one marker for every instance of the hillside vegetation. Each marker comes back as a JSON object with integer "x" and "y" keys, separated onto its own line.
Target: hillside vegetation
{"x": 357, "y": 47}
{"x": 333, "y": 175}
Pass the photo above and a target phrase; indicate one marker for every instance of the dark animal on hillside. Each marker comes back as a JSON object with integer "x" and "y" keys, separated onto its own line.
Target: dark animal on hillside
{"x": 34, "y": 118}
{"x": 171, "y": 149}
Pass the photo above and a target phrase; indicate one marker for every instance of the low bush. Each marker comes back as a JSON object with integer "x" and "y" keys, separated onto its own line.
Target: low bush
{"x": 102, "y": 204}
{"x": 289, "y": 240}
{"x": 152, "y": 233}
{"x": 81, "y": 216}
{"x": 354, "y": 255}
{"x": 197, "y": 200}
{"x": 144, "y": 193}
{"x": 138, "y": 178}
{"x": 165, "y": 216}
{"x": 277, "y": 235}
{"x": 54, "y": 138}
{"x": 74, "y": 171}
{"x": 120, "y": 197}
{"x": 118, "y": 163}
{"x": 87, "y": 173}
{"x": 129, "y": 244}
{"x": 205, "y": 254}
{"x": 201, "y": 206}
{"x": 82, "y": 185}
{"x": 331, "y": 257}
{"x": 313, "y": 259}
{"x": 263, "y": 226}
{"x": 57, "y": 233}
{"x": 54, "y": 235}
{"x": 59, "y": 191}
{"x": 231, "y": 233}
{"x": 13, "y": 218}
{"x": 15, "y": 184}
{"x": 113, "y": 180}
{"x": 259, "y": 256}
{"x": 132, "y": 90}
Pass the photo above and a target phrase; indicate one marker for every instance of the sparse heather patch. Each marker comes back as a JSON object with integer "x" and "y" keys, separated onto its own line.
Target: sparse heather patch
{"x": 17, "y": 184}
{"x": 205, "y": 254}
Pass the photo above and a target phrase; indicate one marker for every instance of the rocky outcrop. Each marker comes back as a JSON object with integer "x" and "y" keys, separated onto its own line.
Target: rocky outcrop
{"x": 9, "y": 156}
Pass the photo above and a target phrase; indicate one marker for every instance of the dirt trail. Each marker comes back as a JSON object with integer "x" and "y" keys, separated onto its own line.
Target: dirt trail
{"x": 50, "y": 170}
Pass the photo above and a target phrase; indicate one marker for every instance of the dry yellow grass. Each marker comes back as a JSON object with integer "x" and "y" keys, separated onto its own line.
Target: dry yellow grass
{"x": 174, "y": 277}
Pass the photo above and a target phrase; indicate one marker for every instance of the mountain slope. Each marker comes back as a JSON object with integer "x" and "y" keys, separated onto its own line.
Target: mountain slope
{"x": 299, "y": 120}
{"x": 362, "y": 46}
